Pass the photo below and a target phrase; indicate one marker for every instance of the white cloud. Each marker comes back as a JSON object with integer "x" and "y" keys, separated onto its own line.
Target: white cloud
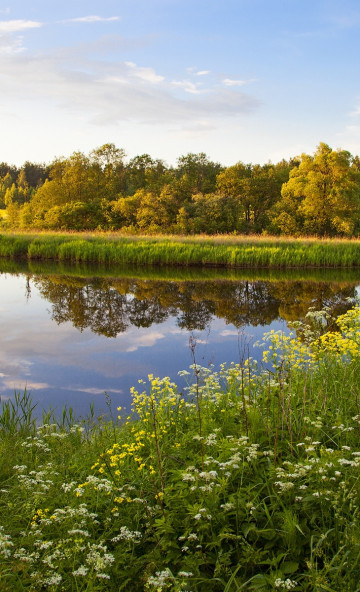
{"x": 231, "y": 82}
{"x": 144, "y": 340}
{"x": 116, "y": 80}
{"x": 92, "y": 19}
{"x": 202, "y": 72}
{"x": 145, "y": 74}
{"x": 188, "y": 86}
{"x": 18, "y": 25}
{"x": 229, "y": 333}
{"x": 71, "y": 82}
{"x": 9, "y": 46}
{"x": 94, "y": 390}
{"x": 22, "y": 384}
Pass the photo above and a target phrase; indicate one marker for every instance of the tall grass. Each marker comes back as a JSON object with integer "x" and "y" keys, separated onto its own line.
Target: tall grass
{"x": 248, "y": 480}
{"x": 244, "y": 252}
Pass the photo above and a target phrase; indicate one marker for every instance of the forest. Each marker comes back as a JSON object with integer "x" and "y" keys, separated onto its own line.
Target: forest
{"x": 317, "y": 195}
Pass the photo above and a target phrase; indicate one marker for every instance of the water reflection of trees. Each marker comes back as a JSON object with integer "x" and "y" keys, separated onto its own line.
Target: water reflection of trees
{"x": 110, "y": 306}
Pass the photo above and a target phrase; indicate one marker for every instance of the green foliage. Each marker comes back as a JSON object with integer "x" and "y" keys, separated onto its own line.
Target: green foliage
{"x": 247, "y": 480}
{"x": 310, "y": 195}
{"x": 322, "y": 195}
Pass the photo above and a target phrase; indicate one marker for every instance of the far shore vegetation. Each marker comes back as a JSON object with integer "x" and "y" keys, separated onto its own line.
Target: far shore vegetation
{"x": 317, "y": 195}
{"x": 247, "y": 480}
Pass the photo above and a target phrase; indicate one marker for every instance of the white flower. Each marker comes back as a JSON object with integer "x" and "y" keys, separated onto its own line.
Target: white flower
{"x": 159, "y": 579}
{"x": 81, "y": 571}
{"x": 127, "y": 535}
{"x": 5, "y": 543}
{"x": 285, "y": 584}
{"x": 53, "y": 580}
{"x": 228, "y": 506}
{"x": 104, "y": 576}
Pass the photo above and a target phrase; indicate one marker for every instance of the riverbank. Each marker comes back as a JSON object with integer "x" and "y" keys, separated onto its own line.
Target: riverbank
{"x": 229, "y": 251}
{"x": 248, "y": 481}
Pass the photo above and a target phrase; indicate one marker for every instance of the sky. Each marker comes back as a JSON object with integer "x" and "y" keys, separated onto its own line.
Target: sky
{"x": 241, "y": 80}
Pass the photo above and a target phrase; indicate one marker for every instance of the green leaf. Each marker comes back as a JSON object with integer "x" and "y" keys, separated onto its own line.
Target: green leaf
{"x": 289, "y": 567}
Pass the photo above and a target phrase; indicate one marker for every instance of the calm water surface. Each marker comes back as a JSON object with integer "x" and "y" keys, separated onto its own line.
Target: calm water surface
{"x": 69, "y": 334}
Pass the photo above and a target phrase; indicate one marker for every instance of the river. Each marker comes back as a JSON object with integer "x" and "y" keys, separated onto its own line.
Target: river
{"x": 68, "y": 334}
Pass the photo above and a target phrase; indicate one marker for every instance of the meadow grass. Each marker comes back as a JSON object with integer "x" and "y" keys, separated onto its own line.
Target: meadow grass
{"x": 230, "y": 251}
{"x": 246, "y": 480}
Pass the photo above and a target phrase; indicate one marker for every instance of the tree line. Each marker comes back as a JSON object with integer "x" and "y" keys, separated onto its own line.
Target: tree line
{"x": 316, "y": 194}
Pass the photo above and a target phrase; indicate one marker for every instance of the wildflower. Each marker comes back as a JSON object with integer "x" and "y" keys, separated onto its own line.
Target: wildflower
{"x": 5, "y": 543}
{"x": 228, "y": 506}
{"x": 127, "y": 535}
{"x": 188, "y": 477}
{"x": 284, "y": 485}
{"x": 104, "y": 576}
{"x": 285, "y": 584}
{"x": 81, "y": 571}
{"x": 159, "y": 580}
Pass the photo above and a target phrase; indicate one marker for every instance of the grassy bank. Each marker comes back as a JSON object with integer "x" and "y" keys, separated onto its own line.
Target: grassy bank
{"x": 183, "y": 251}
{"x": 248, "y": 481}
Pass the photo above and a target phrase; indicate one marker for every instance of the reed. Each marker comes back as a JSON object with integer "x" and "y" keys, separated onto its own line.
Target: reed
{"x": 229, "y": 252}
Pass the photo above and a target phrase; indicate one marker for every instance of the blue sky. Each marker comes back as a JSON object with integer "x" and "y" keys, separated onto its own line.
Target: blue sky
{"x": 242, "y": 80}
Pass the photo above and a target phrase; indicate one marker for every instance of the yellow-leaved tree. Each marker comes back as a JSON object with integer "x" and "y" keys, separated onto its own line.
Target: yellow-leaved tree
{"x": 322, "y": 196}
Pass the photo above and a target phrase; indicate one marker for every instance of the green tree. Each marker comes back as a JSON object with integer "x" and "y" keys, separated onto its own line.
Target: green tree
{"x": 122, "y": 212}
{"x": 143, "y": 172}
{"x": 256, "y": 188}
{"x": 35, "y": 173}
{"x": 157, "y": 212}
{"x": 5, "y": 183}
{"x": 23, "y": 187}
{"x": 74, "y": 216}
{"x": 12, "y": 170}
{"x": 213, "y": 212}
{"x": 107, "y": 171}
{"x": 322, "y": 195}
{"x": 11, "y": 195}
{"x": 195, "y": 173}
